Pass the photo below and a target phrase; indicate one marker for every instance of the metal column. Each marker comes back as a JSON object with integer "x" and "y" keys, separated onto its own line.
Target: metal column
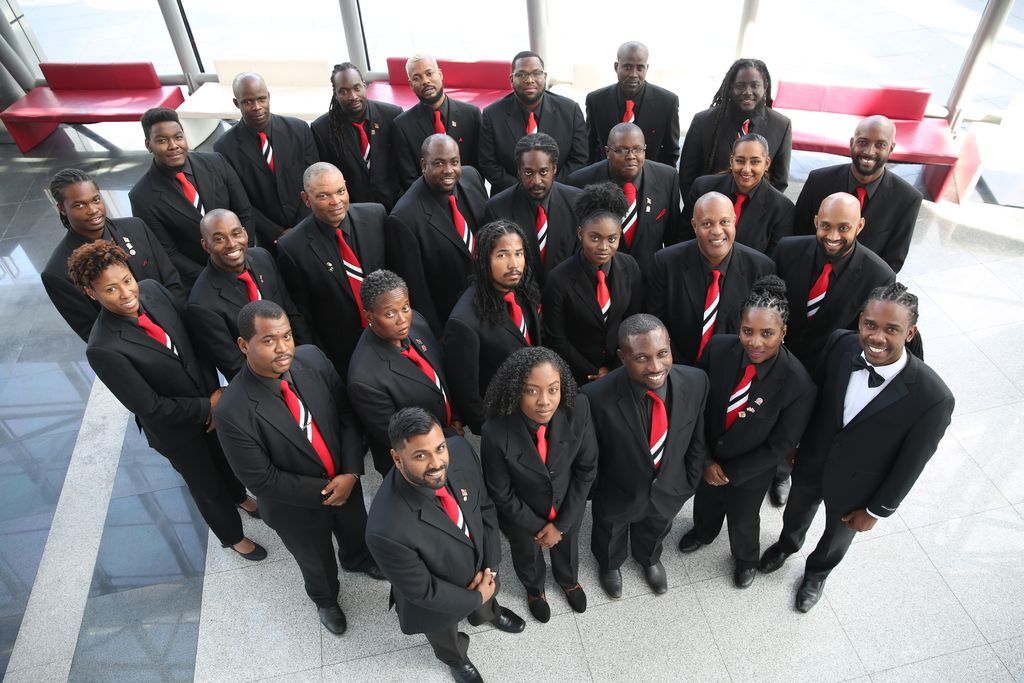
{"x": 15, "y": 67}
{"x": 992, "y": 20}
{"x": 352, "y": 20}
{"x": 537, "y": 20}
{"x": 180, "y": 40}
{"x": 747, "y": 21}
{"x": 16, "y": 41}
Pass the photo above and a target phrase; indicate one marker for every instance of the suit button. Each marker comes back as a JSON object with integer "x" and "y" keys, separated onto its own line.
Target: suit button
{"x": 720, "y": 442}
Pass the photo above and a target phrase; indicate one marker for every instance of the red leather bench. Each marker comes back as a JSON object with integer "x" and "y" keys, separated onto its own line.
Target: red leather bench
{"x": 86, "y": 93}
{"x": 825, "y": 116}
{"x": 479, "y": 83}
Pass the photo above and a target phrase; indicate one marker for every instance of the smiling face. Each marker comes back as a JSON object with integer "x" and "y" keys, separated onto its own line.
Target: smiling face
{"x": 116, "y": 290}
{"x": 761, "y": 334}
{"x": 884, "y": 330}
{"x": 714, "y": 222}
{"x": 837, "y": 224}
{"x": 327, "y": 196}
{"x": 423, "y": 459}
{"x": 537, "y": 173}
{"x": 648, "y": 358}
{"x": 426, "y": 81}
{"x": 542, "y": 392}
{"x": 508, "y": 261}
{"x": 167, "y": 144}
{"x": 747, "y": 89}
{"x": 626, "y": 153}
{"x": 271, "y": 349}
{"x": 442, "y": 165}
{"x": 391, "y": 316}
{"x": 870, "y": 147}
{"x": 226, "y": 241}
{"x": 748, "y": 163}
{"x": 599, "y": 239}
{"x": 83, "y": 206}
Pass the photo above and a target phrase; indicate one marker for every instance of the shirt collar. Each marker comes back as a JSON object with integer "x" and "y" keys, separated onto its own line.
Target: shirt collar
{"x": 892, "y": 369}
{"x": 640, "y": 391}
{"x": 852, "y": 183}
{"x": 255, "y": 133}
{"x": 172, "y": 172}
{"x": 273, "y": 384}
{"x": 723, "y": 267}
{"x": 591, "y": 269}
{"x": 838, "y": 265}
{"x": 762, "y": 369}
{"x": 329, "y": 232}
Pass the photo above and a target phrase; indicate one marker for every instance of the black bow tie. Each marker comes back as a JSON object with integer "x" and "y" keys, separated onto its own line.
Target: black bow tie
{"x": 874, "y": 379}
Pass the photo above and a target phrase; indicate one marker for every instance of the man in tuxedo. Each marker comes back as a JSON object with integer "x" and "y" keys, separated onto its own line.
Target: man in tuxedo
{"x": 529, "y": 109}
{"x": 179, "y": 188}
{"x": 324, "y": 258}
{"x": 235, "y": 275}
{"x": 435, "y": 113}
{"x": 357, "y": 135}
{"x": 880, "y": 416}
{"x": 543, "y": 207}
{"x": 649, "y": 419}
{"x": 289, "y": 434}
{"x": 269, "y": 154}
{"x": 888, "y": 203}
{"x": 434, "y": 532}
{"x": 698, "y": 287}
{"x": 430, "y": 232}
{"x": 651, "y": 189}
{"x": 634, "y": 100}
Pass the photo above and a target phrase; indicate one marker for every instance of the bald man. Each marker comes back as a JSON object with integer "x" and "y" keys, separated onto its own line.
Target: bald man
{"x": 888, "y": 203}
{"x": 435, "y": 113}
{"x": 698, "y": 286}
{"x": 235, "y": 275}
{"x": 633, "y": 100}
{"x": 269, "y": 154}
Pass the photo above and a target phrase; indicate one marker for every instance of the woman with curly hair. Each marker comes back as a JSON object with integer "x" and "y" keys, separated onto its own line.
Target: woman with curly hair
{"x": 539, "y": 455}
{"x": 140, "y": 349}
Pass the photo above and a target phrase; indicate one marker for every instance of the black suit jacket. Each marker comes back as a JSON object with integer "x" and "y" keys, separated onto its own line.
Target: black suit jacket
{"x": 627, "y": 480}
{"x": 147, "y": 260}
{"x": 875, "y": 460}
{"x": 515, "y": 204}
{"x": 777, "y": 412}
{"x": 315, "y": 277}
{"x": 795, "y": 262}
{"x": 159, "y": 201}
{"x": 218, "y": 296}
{"x": 697, "y": 145}
{"x": 473, "y": 351}
{"x": 424, "y": 248}
{"x": 656, "y": 111}
{"x": 502, "y": 125}
{"x": 379, "y": 183}
{"x": 276, "y": 203}
{"x": 427, "y": 559}
{"x": 658, "y": 204}
{"x": 416, "y": 124}
{"x": 889, "y": 216}
{"x": 677, "y": 288}
{"x": 522, "y": 487}
{"x": 766, "y": 217}
{"x": 573, "y": 324}
{"x": 169, "y": 394}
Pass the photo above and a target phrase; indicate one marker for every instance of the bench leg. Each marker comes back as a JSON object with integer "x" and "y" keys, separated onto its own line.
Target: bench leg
{"x": 938, "y": 179}
{"x": 28, "y": 135}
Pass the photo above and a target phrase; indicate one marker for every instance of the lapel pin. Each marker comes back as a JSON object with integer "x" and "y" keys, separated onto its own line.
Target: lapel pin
{"x": 750, "y": 409}
{"x": 330, "y": 266}
{"x": 261, "y": 279}
{"x": 742, "y": 414}
{"x": 758, "y": 400}
{"x": 419, "y": 343}
{"x": 131, "y": 252}
{"x": 454, "y": 124}
{"x": 648, "y": 209}
{"x": 465, "y": 495}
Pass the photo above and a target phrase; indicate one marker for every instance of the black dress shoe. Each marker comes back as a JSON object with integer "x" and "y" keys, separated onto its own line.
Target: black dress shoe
{"x": 656, "y": 577}
{"x": 466, "y": 673}
{"x": 508, "y": 621}
{"x": 688, "y": 543}
{"x": 809, "y": 593}
{"x": 779, "y": 492}
{"x": 539, "y": 607}
{"x": 611, "y": 582}
{"x": 772, "y": 559}
{"x": 576, "y": 598}
{"x": 256, "y": 554}
{"x": 255, "y": 514}
{"x": 333, "y": 618}
{"x": 743, "y": 577}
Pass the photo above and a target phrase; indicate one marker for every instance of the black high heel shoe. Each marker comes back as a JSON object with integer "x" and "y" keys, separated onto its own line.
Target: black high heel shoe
{"x": 256, "y": 554}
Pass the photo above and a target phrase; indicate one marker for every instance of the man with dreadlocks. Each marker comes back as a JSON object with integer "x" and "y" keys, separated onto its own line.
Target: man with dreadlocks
{"x": 742, "y": 105}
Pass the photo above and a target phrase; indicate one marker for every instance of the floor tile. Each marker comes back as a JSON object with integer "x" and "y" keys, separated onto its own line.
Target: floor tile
{"x": 976, "y": 382}
{"x": 543, "y": 652}
{"x": 1011, "y": 654}
{"x": 962, "y": 304}
{"x": 141, "y": 469}
{"x": 22, "y": 540}
{"x": 32, "y": 473}
{"x": 977, "y": 664}
{"x": 995, "y": 343}
{"x": 992, "y": 438}
{"x": 411, "y": 664}
{"x": 933, "y": 322}
{"x": 1010, "y": 273}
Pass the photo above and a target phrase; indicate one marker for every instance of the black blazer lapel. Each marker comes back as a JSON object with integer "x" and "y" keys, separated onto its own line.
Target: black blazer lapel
{"x": 627, "y": 408}
{"x": 273, "y": 409}
{"x": 696, "y": 286}
{"x": 331, "y": 260}
{"x": 581, "y": 289}
{"x": 894, "y": 391}
{"x": 465, "y": 496}
{"x": 170, "y": 192}
{"x": 443, "y": 225}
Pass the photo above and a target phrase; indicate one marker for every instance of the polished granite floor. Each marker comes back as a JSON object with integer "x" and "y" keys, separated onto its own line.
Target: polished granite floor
{"x": 934, "y": 593}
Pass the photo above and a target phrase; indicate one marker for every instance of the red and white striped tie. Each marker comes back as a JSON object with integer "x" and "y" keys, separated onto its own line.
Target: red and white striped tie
{"x": 515, "y": 312}
{"x": 710, "y": 310}
{"x": 461, "y": 227}
{"x": 427, "y": 369}
{"x": 267, "y": 150}
{"x": 818, "y": 291}
{"x": 452, "y": 509}
{"x": 744, "y": 129}
{"x": 628, "y": 116}
{"x": 542, "y": 232}
{"x": 304, "y": 418}
{"x": 252, "y": 291}
{"x": 354, "y": 271}
{"x": 364, "y": 143}
{"x": 604, "y": 297}
{"x": 156, "y": 332}
{"x": 630, "y": 219}
{"x": 531, "y": 124}
{"x": 740, "y": 394}
{"x": 191, "y": 194}
{"x": 659, "y": 429}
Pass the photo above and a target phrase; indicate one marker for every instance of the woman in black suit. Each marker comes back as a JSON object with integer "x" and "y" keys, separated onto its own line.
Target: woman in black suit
{"x": 581, "y": 320}
{"x": 140, "y": 349}
{"x": 498, "y": 314}
{"x": 539, "y": 455}
{"x": 759, "y": 403}
{"x": 396, "y": 364}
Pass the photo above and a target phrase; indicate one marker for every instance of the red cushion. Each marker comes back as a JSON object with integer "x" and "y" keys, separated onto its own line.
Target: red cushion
{"x": 90, "y": 106}
{"x": 126, "y": 76}
{"x": 893, "y": 102}
{"x": 481, "y": 75}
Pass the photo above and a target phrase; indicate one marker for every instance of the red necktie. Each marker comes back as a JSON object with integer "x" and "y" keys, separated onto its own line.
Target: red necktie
{"x": 862, "y": 195}
{"x": 364, "y": 143}
{"x": 354, "y": 271}
{"x": 438, "y": 123}
{"x": 516, "y": 313}
{"x": 250, "y": 286}
{"x": 156, "y": 332}
{"x": 628, "y": 117}
{"x": 744, "y": 129}
{"x": 630, "y": 219}
{"x": 191, "y": 195}
{"x": 739, "y": 395}
{"x": 542, "y": 232}
{"x": 531, "y": 124}
{"x": 604, "y": 297}
{"x": 710, "y": 311}
{"x": 268, "y": 151}
{"x": 452, "y": 509}
{"x": 542, "y": 451}
{"x": 308, "y": 426}
{"x": 427, "y": 369}
{"x": 737, "y": 206}
{"x": 460, "y": 223}
{"x": 818, "y": 291}
{"x": 659, "y": 429}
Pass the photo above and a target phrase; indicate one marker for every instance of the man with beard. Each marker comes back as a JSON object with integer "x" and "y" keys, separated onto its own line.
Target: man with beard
{"x": 435, "y": 113}
{"x": 888, "y": 203}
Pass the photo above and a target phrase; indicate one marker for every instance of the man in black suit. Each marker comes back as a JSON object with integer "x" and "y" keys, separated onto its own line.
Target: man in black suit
{"x": 529, "y": 109}
{"x": 291, "y": 437}
{"x": 888, "y": 203}
{"x": 541, "y": 206}
{"x": 649, "y": 419}
{"x": 651, "y": 189}
{"x": 269, "y": 154}
{"x": 435, "y": 113}
{"x": 434, "y": 532}
{"x": 697, "y": 287}
{"x": 179, "y": 188}
{"x": 235, "y": 275}
{"x": 357, "y": 135}
{"x": 634, "y": 100}
{"x": 880, "y": 417}
{"x": 424, "y": 244}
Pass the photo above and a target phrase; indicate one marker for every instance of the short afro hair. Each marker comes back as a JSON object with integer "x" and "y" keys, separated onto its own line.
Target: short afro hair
{"x": 90, "y": 260}
{"x": 261, "y": 308}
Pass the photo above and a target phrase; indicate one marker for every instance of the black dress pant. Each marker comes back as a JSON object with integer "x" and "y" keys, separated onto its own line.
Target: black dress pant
{"x": 741, "y": 505}
{"x": 528, "y": 557}
{"x": 645, "y": 535}
{"x": 451, "y": 645}
{"x": 796, "y": 520}
{"x": 214, "y": 487}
